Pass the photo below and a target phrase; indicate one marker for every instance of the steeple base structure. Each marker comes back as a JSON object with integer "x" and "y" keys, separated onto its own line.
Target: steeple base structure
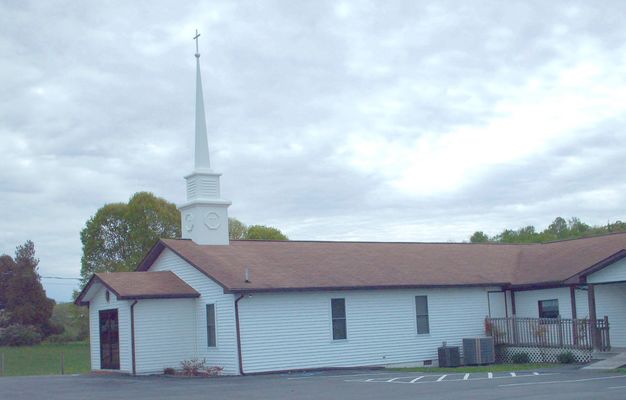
{"x": 204, "y": 217}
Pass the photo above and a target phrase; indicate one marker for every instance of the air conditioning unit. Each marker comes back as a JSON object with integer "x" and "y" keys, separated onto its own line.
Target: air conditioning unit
{"x": 478, "y": 351}
{"x": 449, "y": 356}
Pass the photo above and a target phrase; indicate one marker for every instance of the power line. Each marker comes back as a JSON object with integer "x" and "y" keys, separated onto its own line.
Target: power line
{"x": 59, "y": 277}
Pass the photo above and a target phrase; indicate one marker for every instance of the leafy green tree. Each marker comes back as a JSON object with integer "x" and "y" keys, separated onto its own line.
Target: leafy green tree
{"x": 577, "y": 228}
{"x": 528, "y": 234}
{"x": 236, "y": 229}
{"x": 558, "y": 228}
{"x": 7, "y": 269}
{"x": 261, "y": 232}
{"x": 24, "y": 297}
{"x": 118, "y": 236}
{"x": 617, "y": 226}
{"x": 479, "y": 237}
{"x": 507, "y": 236}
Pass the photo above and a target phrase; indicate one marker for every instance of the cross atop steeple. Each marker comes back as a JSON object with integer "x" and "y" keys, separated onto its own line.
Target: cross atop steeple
{"x": 196, "y": 39}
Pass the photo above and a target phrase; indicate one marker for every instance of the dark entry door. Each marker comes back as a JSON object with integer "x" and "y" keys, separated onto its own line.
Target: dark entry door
{"x": 109, "y": 340}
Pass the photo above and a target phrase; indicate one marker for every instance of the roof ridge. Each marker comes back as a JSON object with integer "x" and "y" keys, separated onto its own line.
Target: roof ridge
{"x": 584, "y": 237}
{"x": 413, "y": 242}
{"x": 375, "y": 242}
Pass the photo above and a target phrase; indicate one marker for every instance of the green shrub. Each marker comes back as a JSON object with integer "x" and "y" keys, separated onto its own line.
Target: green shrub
{"x": 19, "y": 335}
{"x": 566, "y": 358}
{"x": 64, "y": 337}
{"x": 520, "y": 358}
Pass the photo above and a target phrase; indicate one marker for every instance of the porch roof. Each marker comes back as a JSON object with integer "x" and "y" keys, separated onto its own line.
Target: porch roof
{"x": 135, "y": 286}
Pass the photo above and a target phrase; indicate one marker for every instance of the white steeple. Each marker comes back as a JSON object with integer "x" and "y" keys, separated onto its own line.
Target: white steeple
{"x": 202, "y": 160}
{"x": 204, "y": 217}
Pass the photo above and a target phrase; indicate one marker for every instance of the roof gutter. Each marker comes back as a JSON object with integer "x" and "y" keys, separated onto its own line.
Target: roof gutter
{"x": 364, "y": 287}
{"x": 241, "y": 296}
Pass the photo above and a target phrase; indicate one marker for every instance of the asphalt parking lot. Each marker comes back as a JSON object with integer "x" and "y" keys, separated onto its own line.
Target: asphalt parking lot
{"x": 553, "y": 384}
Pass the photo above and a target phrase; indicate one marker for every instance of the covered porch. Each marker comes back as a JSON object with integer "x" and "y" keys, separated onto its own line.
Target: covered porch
{"x": 586, "y": 311}
{"x": 559, "y": 332}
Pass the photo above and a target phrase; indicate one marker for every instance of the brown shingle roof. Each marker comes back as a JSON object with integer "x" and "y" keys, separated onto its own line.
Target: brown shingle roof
{"x": 294, "y": 265}
{"x": 559, "y": 261}
{"x": 137, "y": 285}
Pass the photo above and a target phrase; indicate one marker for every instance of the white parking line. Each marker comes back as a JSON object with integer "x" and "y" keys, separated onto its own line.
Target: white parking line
{"x": 341, "y": 376}
{"x": 617, "y": 387}
{"x": 449, "y": 378}
{"x": 513, "y": 374}
{"x": 565, "y": 381}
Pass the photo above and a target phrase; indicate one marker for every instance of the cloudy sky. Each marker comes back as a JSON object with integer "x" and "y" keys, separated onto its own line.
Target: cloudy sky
{"x": 391, "y": 121}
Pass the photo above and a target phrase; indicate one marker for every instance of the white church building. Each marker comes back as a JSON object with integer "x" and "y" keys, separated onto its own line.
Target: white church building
{"x": 264, "y": 306}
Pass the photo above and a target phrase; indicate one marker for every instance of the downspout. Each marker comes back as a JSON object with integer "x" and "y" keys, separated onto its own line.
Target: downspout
{"x": 241, "y": 296}
{"x": 132, "y": 334}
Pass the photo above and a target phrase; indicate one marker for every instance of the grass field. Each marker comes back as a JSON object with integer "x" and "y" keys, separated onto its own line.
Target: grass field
{"x": 480, "y": 368}
{"x": 45, "y": 359}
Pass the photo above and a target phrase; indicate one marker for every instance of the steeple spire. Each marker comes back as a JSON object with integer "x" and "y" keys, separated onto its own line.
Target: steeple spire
{"x": 202, "y": 161}
{"x": 204, "y": 216}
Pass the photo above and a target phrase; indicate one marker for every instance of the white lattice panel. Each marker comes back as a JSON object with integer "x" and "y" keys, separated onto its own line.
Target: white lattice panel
{"x": 504, "y": 354}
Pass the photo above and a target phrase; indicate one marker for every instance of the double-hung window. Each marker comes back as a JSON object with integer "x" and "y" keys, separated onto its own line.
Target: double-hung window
{"x": 421, "y": 315}
{"x": 210, "y": 326}
{"x": 338, "y": 310}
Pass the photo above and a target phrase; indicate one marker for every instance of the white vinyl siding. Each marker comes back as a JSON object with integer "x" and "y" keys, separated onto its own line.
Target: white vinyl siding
{"x": 164, "y": 334}
{"x": 225, "y": 353}
{"x": 527, "y": 302}
{"x": 611, "y": 301}
{"x": 98, "y": 303}
{"x": 497, "y": 304}
{"x": 615, "y": 272}
{"x": 283, "y": 331}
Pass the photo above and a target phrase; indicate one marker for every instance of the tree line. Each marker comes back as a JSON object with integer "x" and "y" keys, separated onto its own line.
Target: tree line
{"x": 559, "y": 229}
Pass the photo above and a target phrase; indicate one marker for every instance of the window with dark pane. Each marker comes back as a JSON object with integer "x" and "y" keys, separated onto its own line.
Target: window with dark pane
{"x": 210, "y": 325}
{"x": 338, "y": 307}
{"x": 549, "y": 308}
{"x": 421, "y": 311}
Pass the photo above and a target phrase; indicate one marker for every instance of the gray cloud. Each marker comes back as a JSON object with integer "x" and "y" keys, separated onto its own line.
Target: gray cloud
{"x": 331, "y": 120}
